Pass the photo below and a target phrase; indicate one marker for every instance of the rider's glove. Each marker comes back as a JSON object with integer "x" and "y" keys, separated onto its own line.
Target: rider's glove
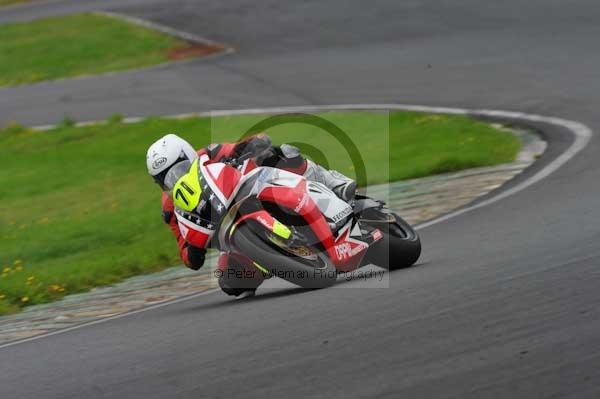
{"x": 195, "y": 257}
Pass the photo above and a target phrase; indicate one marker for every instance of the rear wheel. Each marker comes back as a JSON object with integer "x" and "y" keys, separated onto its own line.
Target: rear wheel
{"x": 400, "y": 246}
{"x": 319, "y": 273}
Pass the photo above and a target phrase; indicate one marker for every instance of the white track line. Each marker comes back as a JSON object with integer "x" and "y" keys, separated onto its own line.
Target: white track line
{"x": 581, "y": 133}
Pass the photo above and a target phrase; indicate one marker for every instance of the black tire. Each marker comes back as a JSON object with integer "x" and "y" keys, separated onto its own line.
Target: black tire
{"x": 399, "y": 248}
{"x": 290, "y": 268}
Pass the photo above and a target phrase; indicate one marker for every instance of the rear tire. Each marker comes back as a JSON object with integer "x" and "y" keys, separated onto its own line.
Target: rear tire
{"x": 399, "y": 248}
{"x": 300, "y": 272}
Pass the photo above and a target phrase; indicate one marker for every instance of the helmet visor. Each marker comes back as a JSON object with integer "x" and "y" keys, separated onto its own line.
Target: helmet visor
{"x": 175, "y": 173}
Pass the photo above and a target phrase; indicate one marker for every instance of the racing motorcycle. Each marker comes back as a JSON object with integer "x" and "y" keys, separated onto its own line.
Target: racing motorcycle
{"x": 285, "y": 225}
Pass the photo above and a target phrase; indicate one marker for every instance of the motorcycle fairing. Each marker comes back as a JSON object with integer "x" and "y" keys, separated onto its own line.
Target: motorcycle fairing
{"x": 335, "y": 210}
{"x": 267, "y": 221}
{"x": 345, "y": 252}
{"x": 222, "y": 183}
{"x": 222, "y": 179}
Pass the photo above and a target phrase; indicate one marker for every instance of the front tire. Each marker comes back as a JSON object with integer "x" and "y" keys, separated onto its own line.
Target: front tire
{"x": 399, "y": 248}
{"x": 315, "y": 275}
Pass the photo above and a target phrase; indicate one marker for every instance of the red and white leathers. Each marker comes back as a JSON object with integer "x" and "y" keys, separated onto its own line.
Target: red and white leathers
{"x": 236, "y": 273}
{"x": 232, "y": 268}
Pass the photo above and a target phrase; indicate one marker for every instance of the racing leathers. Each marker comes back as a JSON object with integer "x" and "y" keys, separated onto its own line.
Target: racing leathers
{"x": 260, "y": 149}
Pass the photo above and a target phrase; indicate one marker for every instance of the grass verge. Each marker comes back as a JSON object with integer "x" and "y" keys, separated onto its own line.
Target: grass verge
{"x": 81, "y": 44}
{"x": 79, "y": 210}
{"x": 12, "y": 2}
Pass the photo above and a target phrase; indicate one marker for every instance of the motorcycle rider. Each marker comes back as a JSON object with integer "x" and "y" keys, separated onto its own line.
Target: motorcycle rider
{"x": 237, "y": 276}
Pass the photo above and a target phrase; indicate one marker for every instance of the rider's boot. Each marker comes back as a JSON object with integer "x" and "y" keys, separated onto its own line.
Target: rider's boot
{"x": 341, "y": 185}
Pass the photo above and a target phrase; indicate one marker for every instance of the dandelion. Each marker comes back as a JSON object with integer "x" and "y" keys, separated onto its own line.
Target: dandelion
{"x": 25, "y": 299}
{"x": 55, "y": 287}
{"x": 19, "y": 268}
{"x": 30, "y": 278}
{"x": 2, "y": 296}
{"x": 18, "y": 262}
{"x": 6, "y": 270}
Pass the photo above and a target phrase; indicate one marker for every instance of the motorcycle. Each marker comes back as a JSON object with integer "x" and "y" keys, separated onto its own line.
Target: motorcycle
{"x": 288, "y": 226}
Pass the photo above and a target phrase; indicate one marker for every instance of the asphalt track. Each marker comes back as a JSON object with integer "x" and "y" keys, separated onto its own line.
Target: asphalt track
{"x": 505, "y": 302}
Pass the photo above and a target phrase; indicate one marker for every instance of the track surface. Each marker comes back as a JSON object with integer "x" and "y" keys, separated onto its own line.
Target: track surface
{"x": 506, "y": 301}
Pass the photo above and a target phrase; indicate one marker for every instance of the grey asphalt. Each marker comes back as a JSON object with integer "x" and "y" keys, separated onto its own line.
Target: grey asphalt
{"x": 505, "y": 302}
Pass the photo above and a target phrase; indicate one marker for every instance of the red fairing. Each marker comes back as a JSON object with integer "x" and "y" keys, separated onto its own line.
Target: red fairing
{"x": 249, "y": 166}
{"x": 349, "y": 252}
{"x": 262, "y": 217}
{"x": 225, "y": 177}
{"x": 226, "y": 150}
{"x": 344, "y": 252}
{"x": 298, "y": 200}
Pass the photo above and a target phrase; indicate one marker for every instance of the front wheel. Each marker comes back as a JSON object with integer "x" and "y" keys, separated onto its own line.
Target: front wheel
{"x": 399, "y": 248}
{"x": 320, "y": 273}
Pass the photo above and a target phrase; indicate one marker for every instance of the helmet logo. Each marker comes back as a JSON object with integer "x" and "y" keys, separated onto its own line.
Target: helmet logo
{"x": 159, "y": 162}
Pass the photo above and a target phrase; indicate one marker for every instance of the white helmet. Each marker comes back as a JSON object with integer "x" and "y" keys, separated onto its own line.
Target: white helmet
{"x": 165, "y": 153}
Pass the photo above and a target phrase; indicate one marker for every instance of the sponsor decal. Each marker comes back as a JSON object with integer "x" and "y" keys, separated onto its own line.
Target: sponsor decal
{"x": 264, "y": 222}
{"x": 158, "y": 163}
{"x": 345, "y": 250}
{"x": 342, "y": 215}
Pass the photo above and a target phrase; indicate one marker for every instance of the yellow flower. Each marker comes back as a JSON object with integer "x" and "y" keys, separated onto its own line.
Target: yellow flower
{"x": 18, "y": 268}
{"x": 30, "y": 278}
{"x": 25, "y": 299}
{"x": 6, "y": 270}
{"x": 18, "y": 262}
{"x": 2, "y": 296}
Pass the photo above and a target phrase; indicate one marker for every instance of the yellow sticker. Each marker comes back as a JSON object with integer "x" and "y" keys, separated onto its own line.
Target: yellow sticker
{"x": 281, "y": 230}
{"x": 187, "y": 190}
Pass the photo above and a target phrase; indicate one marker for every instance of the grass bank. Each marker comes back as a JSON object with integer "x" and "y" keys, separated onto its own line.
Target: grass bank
{"x": 80, "y": 44}
{"x": 78, "y": 209}
{"x": 12, "y": 2}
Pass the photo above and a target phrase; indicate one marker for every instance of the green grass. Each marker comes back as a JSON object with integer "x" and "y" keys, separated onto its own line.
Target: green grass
{"x": 80, "y": 44}
{"x": 79, "y": 210}
{"x": 11, "y": 2}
